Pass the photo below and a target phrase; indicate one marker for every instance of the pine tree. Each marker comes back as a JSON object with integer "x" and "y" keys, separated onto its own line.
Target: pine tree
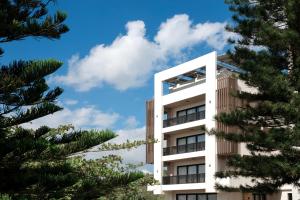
{"x": 267, "y": 47}
{"x": 46, "y": 163}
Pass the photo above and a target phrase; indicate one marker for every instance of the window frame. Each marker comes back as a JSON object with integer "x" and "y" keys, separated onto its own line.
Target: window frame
{"x": 186, "y": 138}
{"x": 186, "y": 110}
{"x": 258, "y": 196}
{"x": 187, "y": 168}
{"x": 186, "y": 195}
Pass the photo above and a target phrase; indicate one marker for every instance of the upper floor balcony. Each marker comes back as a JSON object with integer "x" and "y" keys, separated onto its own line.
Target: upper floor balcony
{"x": 186, "y": 148}
{"x": 184, "y": 119}
{"x": 184, "y": 179}
{"x": 184, "y": 174}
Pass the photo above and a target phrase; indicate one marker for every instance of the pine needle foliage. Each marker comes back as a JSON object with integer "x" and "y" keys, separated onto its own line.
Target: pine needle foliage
{"x": 267, "y": 47}
{"x": 48, "y": 163}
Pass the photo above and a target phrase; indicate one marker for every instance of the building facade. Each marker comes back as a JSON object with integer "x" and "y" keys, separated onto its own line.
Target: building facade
{"x": 185, "y": 157}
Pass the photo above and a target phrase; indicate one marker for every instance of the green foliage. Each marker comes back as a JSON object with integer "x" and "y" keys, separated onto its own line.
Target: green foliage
{"x": 24, "y": 18}
{"x": 267, "y": 47}
{"x": 134, "y": 191}
{"x": 4, "y": 197}
{"x": 47, "y": 163}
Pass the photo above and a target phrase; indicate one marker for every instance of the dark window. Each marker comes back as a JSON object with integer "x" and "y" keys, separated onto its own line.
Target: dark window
{"x": 190, "y": 143}
{"x": 191, "y": 169}
{"x": 201, "y": 138}
{"x": 204, "y": 196}
{"x": 259, "y": 197}
{"x": 190, "y": 111}
{"x": 191, "y": 197}
{"x": 212, "y": 197}
{"x": 181, "y": 197}
{"x": 290, "y": 196}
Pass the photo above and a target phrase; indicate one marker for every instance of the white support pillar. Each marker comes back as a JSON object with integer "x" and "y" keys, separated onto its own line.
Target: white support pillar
{"x": 210, "y": 112}
{"x": 158, "y": 122}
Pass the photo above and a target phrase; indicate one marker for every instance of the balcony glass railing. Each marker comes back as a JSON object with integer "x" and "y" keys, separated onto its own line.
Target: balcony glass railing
{"x": 199, "y": 146}
{"x": 183, "y": 179}
{"x": 184, "y": 119}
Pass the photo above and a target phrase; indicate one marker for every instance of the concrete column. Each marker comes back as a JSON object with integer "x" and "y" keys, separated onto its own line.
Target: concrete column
{"x": 210, "y": 112}
{"x": 158, "y": 121}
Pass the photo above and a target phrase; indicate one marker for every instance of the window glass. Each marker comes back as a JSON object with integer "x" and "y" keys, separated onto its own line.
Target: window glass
{"x": 201, "y": 138}
{"x": 181, "y": 197}
{"x": 181, "y": 141}
{"x": 191, "y": 111}
{"x": 259, "y": 197}
{"x": 191, "y": 139}
{"x": 181, "y": 145}
{"x": 181, "y": 113}
{"x": 201, "y": 169}
{"x": 192, "y": 169}
{"x": 201, "y": 108}
{"x": 165, "y": 117}
{"x": 202, "y": 197}
{"x": 212, "y": 197}
{"x": 182, "y": 170}
{"x": 191, "y": 197}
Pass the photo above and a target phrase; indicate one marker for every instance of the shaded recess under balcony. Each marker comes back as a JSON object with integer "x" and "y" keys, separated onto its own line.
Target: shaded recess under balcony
{"x": 184, "y": 111}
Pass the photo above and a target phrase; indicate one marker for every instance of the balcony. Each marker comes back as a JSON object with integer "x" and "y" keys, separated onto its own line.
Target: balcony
{"x": 184, "y": 119}
{"x": 184, "y": 179}
{"x": 199, "y": 146}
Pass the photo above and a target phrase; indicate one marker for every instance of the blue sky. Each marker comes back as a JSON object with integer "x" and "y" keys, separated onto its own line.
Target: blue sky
{"x": 108, "y": 87}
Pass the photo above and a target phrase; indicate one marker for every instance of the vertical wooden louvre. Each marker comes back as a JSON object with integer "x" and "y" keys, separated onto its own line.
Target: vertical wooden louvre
{"x": 226, "y": 103}
{"x": 150, "y": 131}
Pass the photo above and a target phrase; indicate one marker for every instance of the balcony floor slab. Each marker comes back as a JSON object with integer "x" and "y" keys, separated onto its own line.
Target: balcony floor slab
{"x": 187, "y": 125}
{"x": 184, "y": 156}
{"x": 189, "y": 186}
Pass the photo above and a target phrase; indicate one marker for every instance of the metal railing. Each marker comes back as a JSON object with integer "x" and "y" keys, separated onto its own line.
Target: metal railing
{"x": 183, "y": 179}
{"x": 184, "y": 119}
{"x": 199, "y": 146}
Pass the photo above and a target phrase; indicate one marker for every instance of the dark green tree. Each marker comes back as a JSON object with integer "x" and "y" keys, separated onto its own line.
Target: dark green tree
{"x": 46, "y": 163}
{"x": 267, "y": 47}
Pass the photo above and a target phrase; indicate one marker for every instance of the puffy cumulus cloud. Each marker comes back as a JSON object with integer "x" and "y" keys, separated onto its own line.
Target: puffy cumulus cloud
{"x": 179, "y": 33}
{"x": 123, "y": 64}
{"x": 84, "y": 117}
{"x": 132, "y": 58}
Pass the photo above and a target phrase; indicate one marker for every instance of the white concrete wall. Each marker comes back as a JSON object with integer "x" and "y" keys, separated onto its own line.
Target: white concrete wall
{"x": 208, "y": 88}
{"x": 210, "y": 112}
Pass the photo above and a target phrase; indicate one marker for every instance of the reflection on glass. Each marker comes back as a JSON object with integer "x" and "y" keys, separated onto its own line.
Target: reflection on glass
{"x": 181, "y": 197}
{"x": 192, "y": 197}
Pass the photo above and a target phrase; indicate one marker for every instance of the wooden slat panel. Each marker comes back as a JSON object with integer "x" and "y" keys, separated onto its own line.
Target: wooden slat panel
{"x": 226, "y": 103}
{"x": 150, "y": 131}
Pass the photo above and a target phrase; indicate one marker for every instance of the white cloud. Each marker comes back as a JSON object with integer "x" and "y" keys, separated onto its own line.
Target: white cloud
{"x": 70, "y": 102}
{"x": 131, "y": 58}
{"x": 137, "y": 155}
{"x": 179, "y": 32}
{"x": 131, "y": 122}
{"x": 84, "y": 117}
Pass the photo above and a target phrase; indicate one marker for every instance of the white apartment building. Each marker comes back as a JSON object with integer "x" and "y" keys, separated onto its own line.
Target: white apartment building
{"x": 185, "y": 158}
